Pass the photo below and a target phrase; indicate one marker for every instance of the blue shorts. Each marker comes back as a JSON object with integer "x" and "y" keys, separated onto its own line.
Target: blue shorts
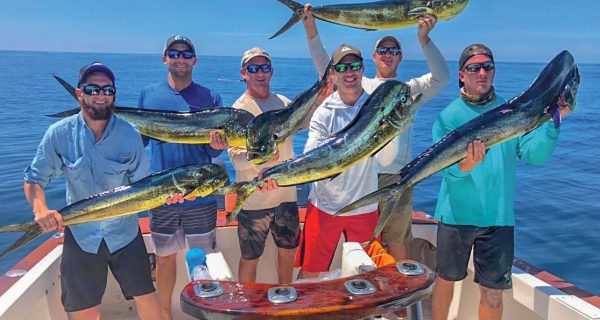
{"x": 492, "y": 256}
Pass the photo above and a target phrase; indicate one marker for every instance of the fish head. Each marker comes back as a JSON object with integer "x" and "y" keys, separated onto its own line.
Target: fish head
{"x": 206, "y": 178}
{"x": 400, "y": 99}
{"x": 261, "y": 141}
{"x": 442, "y": 9}
{"x": 570, "y": 87}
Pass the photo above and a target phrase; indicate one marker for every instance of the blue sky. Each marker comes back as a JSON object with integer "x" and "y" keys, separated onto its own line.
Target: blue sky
{"x": 525, "y": 30}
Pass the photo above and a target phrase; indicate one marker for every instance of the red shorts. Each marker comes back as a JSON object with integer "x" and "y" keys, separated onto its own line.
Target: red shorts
{"x": 321, "y": 234}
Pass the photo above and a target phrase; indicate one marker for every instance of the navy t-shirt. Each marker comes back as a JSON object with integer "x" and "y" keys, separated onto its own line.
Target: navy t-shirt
{"x": 165, "y": 155}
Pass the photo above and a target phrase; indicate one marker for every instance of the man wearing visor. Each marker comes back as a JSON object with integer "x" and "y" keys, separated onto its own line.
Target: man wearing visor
{"x": 276, "y": 210}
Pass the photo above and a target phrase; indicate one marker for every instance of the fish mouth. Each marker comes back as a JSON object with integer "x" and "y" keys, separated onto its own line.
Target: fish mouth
{"x": 257, "y": 158}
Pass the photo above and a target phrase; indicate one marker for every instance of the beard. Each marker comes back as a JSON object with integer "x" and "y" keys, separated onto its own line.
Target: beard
{"x": 98, "y": 113}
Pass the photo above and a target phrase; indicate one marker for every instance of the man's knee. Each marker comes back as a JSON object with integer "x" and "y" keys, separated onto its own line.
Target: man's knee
{"x": 491, "y": 297}
{"x": 166, "y": 260}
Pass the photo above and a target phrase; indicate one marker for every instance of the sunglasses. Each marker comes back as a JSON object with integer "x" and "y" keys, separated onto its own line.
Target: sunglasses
{"x": 94, "y": 90}
{"x": 394, "y": 51}
{"x": 253, "y": 68}
{"x": 475, "y": 67}
{"x": 175, "y": 54}
{"x": 342, "y": 67}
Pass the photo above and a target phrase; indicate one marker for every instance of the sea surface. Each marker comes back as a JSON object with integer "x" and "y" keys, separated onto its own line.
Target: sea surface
{"x": 557, "y": 206}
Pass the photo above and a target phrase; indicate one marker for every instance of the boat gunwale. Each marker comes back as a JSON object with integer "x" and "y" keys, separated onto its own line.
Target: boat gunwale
{"x": 419, "y": 218}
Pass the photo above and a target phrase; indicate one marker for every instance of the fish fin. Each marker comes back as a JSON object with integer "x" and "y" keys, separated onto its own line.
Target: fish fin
{"x": 419, "y": 11}
{"x": 67, "y": 86}
{"x": 64, "y": 114}
{"x": 556, "y": 117}
{"x": 32, "y": 231}
{"x": 380, "y": 195}
{"x": 297, "y": 15}
{"x": 334, "y": 176}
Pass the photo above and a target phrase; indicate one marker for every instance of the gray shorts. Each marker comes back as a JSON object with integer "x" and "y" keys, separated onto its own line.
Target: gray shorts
{"x": 398, "y": 229}
{"x": 171, "y": 227}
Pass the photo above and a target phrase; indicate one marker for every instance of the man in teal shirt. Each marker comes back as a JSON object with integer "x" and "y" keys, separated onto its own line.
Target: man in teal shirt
{"x": 475, "y": 203}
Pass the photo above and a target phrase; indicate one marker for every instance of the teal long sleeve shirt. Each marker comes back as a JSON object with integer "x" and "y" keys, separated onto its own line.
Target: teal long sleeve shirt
{"x": 484, "y": 196}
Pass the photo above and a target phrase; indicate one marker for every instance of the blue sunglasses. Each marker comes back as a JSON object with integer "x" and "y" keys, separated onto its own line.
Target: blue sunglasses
{"x": 175, "y": 54}
{"x": 253, "y": 68}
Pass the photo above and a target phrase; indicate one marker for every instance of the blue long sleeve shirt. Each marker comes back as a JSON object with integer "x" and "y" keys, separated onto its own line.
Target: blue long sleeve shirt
{"x": 90, "y": 167}
{"x": 484, "y": 196}
{"x": 164, "y": 155}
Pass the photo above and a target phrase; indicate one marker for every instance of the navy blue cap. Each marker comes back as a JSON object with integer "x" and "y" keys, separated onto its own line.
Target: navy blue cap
{"x": 88, "y": 69}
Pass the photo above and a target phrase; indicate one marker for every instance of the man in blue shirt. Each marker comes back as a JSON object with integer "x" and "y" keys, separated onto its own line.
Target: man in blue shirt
{"x": 192, "y": 221}
{"x": 96, "y": 152}
{"x": 475, "y": 202}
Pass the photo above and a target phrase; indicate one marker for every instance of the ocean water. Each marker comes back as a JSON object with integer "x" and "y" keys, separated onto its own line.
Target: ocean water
{"x": 557, "y": 206}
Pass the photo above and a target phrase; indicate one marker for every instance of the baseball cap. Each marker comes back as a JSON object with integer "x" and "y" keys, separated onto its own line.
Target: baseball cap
{"x": 343, "y": 51}
{"x": 388, "y": 38}
{"x": 96, "y": 66}
{"x": 178, "y": 39}
{"x": 475, "y": 49}
{"x": 254, "y": 52}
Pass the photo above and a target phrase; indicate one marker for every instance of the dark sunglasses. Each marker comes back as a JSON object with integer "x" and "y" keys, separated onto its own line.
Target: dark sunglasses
{"x": 342, "y": 67}
{"x": 174, "y": 54}
{"x": 394, "y": 51}
{"x": 475, "y": 67}
{"x": 253, "y": 68}
{"x": 94, "y": 90}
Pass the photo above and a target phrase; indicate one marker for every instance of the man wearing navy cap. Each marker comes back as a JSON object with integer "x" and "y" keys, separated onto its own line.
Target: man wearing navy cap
{"x": 96, "y": 151}
{"x": 193, "y": 222}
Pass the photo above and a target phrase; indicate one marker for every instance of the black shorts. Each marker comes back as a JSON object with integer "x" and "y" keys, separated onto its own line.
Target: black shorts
{"x": 83, "y": 274}
{"x": 493, "y": 253}
{"x": 254, "y": 226}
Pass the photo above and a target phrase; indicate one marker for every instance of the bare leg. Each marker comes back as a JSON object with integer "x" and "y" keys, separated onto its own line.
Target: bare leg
{"x": 441, "y": 298}
{"x": 306, "y": 275}
{"x": 490, "y": 304}
{"x": 166, "y": 269}
{"x": 247, "y": 270}
{"x": 88, "y": 314}
{"x": 398, "y": 251}
{"x": 148, "y": 306}
{"x": 285, "y": 264}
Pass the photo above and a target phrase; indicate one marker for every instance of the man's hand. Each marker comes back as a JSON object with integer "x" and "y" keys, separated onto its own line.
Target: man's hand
{"x": 426, "y": 23}
{"x": 177, "y": 197}
{"x": 48, "y": 219}
{"x": 268, "y": 185}
{"x": 217, "y": 142}
{"x": 310, "y": 25}
{"x": 475, "y": 155}
{"x": 564, "y": 107}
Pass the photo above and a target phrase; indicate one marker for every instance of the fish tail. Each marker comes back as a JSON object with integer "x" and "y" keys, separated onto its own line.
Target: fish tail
{"x": 243, "y": 190}
{"x": 384, "y": 216}
{"x": 67, "y": 86}
{"x": 383, "y": 194}
{"x": 32, "y": 231}
{"x": 297, "y": 15}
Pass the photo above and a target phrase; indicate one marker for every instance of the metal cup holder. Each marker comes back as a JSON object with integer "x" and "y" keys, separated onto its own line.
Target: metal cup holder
{"x": 208, "y": 289}
{"x": 410, "y": 268}
{"x": 359, "y": 286}
{"x": 282, "y": 294}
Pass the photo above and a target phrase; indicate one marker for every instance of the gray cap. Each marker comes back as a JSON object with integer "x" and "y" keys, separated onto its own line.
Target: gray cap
{"x": 344, "y": 50}
{"x": 178, "y": 39}
{"x": 386, "y": 38}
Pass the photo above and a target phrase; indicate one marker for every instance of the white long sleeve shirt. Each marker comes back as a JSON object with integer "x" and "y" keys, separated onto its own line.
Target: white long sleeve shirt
{"x": 428, "y": 85}
{"x": 331, "y": 195}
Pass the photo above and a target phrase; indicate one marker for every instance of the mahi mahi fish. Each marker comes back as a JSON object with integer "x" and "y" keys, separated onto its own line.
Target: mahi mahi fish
{"x": 522, "y": 114}
{"x": 390, "y": 14}
{"x": 180, "y": 127}
{"x": 269, "y": 129}
{"x": 384, "y": 115}
{"x": 148, "y": 193}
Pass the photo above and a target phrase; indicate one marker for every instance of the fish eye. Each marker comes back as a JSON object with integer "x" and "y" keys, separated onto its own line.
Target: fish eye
{"x": 403, "y": 99}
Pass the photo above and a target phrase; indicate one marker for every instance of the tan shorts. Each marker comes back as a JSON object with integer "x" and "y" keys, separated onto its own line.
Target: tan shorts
{"x": 397, "y": 230}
